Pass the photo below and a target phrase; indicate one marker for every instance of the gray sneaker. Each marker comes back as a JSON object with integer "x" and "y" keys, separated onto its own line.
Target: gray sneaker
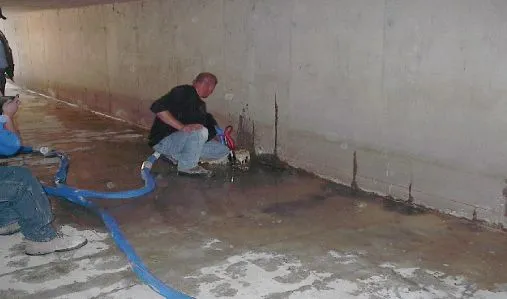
{"x": 60, "y": 243}
{"x": 196, "y": 171}
{"x": 9, "y": 229}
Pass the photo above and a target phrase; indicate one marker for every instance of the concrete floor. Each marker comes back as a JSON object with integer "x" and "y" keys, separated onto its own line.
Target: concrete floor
{"x": 266, "y": 233}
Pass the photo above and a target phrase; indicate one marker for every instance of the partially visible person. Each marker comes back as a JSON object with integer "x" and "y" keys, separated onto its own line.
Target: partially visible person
{"x": 24, "y": 206}
{"x": 2, "y": 15}
{"x": 183, "y": 131}
{"x": 6, "y": 63}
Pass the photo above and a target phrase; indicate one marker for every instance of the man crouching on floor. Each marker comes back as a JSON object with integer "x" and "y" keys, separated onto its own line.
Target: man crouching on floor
{"x": 183, "y": 131}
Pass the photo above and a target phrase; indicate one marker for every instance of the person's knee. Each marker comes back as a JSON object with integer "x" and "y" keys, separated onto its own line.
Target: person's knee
{"x": 224, "y": 149}
{"x": 202, "y": 133}
{"x": 21, "y": 173}
{"x": 23, "y": 176}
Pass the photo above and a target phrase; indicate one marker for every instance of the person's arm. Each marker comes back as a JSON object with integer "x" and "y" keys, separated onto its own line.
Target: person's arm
{"x": 169, "y": 119}
{"x": 161, "y": 109}
{"x": 211, "y": 123}
{"x": 10, "y": 139}
{"x": 9, "y": 110}
{"x": 10, "y": 125}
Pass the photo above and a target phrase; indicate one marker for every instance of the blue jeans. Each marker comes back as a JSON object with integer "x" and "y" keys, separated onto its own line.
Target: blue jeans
{"x": 23, "y": 200}
{"x": 188, "y": 148}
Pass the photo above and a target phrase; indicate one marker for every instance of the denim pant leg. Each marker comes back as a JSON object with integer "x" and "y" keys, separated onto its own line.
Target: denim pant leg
{"x": 7, "y": 214}
{"x": 22, "y": 199}
{"x": 214, "y": 150}
{"x": 185, "y": 147}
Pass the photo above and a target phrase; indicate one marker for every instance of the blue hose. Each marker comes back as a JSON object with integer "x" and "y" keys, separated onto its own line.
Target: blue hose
{"x": 79, "y": 197}
{"x": 61, "y": 178}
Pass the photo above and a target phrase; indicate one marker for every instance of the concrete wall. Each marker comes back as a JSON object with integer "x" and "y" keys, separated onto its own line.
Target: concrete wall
{"x": 416, "y": 88}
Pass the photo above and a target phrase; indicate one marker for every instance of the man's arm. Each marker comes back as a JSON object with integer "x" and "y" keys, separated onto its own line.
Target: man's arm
{"x": 161, "y": 108}
{"x": 10, "y": 140}
{"x": 169, "y": 119}
{"x": 10, "y": 125}
{"x": 9, "y": 110}
{"x": 211, "y": 123}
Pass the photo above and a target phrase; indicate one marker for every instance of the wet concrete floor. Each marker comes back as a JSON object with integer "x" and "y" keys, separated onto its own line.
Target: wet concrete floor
{"x": 264, "y": 233}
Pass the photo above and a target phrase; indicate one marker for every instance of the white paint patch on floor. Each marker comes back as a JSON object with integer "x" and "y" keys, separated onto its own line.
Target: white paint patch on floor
{"x": 44, "y": 278}
{"x": 346, "y": 275}
{"x": 490, "y": 295}
{"x": 211, "y": 244}
{"x": 254, "y": 275}
{"x": 64, "y": 272}
{"x": 134, "y": 292}
{"x": 121, "y": 290}
{"x": 344, "y": 258}
{"x": 96, "y": 291}
{"x": 14, "y": 257}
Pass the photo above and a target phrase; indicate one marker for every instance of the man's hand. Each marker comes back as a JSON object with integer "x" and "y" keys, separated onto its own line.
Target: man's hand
{"x": 11, "y": 107}
{"x": 191, "y": 128}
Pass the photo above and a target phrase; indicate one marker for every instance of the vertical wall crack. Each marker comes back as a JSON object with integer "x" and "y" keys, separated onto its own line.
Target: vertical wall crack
{"x": 275, "y": 150}
{"x": 410, "y": 197}
{"x": 354, "y": 186}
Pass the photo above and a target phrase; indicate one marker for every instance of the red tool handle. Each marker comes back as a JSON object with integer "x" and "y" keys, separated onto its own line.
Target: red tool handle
{"x": 228, "y": 138}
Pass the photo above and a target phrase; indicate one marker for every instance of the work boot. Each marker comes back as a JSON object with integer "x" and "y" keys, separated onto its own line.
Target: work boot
{"x": 60, "y": 243}
{"x": 195, "y": 171}
{"x": 9, "y": 229}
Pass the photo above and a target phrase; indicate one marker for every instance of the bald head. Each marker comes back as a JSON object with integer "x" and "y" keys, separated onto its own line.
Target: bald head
{"x": 205, "y": 76}
{"x": 204, "y": 84}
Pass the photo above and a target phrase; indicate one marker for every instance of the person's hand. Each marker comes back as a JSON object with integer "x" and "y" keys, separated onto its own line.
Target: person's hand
{"x": 11, "y": 107}
{"x": 191, "y": 128}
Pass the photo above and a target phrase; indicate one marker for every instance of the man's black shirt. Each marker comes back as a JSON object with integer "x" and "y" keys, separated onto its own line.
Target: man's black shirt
{"x": 185, "y": 105}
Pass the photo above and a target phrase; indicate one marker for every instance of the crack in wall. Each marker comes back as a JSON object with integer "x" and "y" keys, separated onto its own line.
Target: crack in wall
{"x": 275, "y": 150}
{"x": 354, "y": 186}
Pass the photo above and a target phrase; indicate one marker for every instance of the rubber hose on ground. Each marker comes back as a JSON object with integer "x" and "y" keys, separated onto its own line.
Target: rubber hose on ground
{"x": 79, "y": 197}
